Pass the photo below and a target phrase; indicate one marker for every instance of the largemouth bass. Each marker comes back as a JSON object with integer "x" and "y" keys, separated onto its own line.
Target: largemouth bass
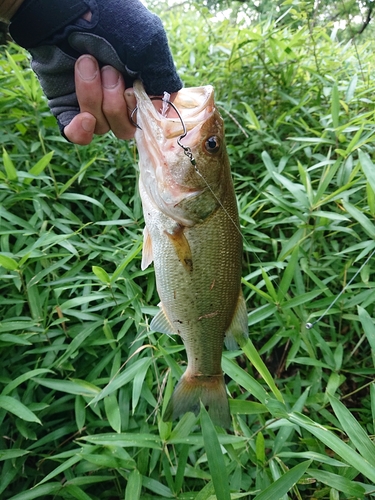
{"x": 192, "y": 237}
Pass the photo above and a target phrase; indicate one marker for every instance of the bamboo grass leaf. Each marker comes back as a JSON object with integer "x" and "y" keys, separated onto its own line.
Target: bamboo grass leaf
{"x": 361, "y": 218}
{"x": 8, "y": 263}
{"x": 336, "y": 444}
{"x": 10, "y": 169}
{"x": 17, "y": 408}
{"x": 134, "y": 486}
{"x": 23, "y": 378}
{"x": 340, "y": 483}
{"x": 215, "y": 457}
{"x": 288, "y": 275}
{"x": 38, "y": 492}
{"x": 354, "y": 430}
{"x": 285, "y": 483}
{"x": 61, "y": 468}
{"x": 39, "y": 167}
{"x": 101, "y": 274}
{"x": 112, "y": 411}
{"x": 369, "y": 329}
{"x": 335, "y": 105}
{"x": 248, "y": 348}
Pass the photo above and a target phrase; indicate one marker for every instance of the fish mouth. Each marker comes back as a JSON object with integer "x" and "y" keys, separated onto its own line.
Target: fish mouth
{"x": 194, "y": 105}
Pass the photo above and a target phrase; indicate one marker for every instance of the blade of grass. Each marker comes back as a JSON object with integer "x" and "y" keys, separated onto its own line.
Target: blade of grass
{"x": 285, "y": 483}
{"x": 215, "y": 457}
{"x": 335, "y": 443}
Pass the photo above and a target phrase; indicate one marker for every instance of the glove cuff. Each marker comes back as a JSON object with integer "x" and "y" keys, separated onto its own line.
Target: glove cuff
{"x": 37, "y": 20}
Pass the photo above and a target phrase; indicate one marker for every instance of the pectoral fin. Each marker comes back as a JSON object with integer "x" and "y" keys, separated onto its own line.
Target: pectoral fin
{"x": 147, "y": 256}
{"x": 181, "y": 246}
{"x": 160, "y": 323}
{"x": 237, "y": 333}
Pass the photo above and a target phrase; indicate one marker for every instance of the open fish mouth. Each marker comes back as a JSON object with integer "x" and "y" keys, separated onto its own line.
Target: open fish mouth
{"x": 194, "y": 106}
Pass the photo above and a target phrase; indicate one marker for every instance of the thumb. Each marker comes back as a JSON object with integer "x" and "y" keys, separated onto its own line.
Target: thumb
{"x": 81, "y": 129}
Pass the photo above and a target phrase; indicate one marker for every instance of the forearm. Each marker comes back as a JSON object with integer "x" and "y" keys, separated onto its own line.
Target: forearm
{"x": 8, "y": 8}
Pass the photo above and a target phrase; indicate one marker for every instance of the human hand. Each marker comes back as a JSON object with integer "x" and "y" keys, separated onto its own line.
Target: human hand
{"x": 104, "y": 102}
{"x": 121, "y": 34}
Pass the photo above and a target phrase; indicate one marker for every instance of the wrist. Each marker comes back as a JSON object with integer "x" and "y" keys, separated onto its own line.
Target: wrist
{"x": 8, "y": 8}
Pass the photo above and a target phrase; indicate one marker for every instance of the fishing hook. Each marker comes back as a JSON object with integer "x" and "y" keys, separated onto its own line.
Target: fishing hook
{"x": 187, "y": 150}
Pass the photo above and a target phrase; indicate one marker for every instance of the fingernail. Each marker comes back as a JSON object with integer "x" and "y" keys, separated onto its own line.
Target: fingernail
{"x": 130, "y": 99}
{"x": 88, "y": 125}
{"x": 110, "y": 77}
{"x": 87, "y": 68}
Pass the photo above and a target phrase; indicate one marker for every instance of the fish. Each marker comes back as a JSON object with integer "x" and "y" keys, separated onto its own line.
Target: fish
{"x": 192, "y": 236}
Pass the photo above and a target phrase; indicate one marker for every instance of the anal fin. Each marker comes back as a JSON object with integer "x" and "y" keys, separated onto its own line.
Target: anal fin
{"x": 160, "y": 323}
{"x": 237, "y": 332}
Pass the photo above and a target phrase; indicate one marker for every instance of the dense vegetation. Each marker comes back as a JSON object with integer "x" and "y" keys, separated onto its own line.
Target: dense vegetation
{"x": 83, "y": 380}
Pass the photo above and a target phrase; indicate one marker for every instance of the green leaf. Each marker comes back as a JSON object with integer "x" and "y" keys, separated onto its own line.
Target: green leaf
{"x": 241, "y": 407}
{"x": 116, "y": 201}
{"x": 285, "y": 483}
{"x": 335, "y": 105}
{"x": 288, "y": 275}
{"x": 78, "y": 387}
{"x": 215, "y": 457}
{"x": 10, "y": 169}
{"x": 249, "y": 349}
{"x": 368, "y": 168}
{"x": 67, "y": 464}
{"x": 134, "y": 486}
{"x": 14, "y": 406}
{"x": 157, "y": 487}
{"x": 354, "y": 430}
{"x": 76, "y": 176}
{"x": 336, "y": 444}
{"x": 22, "y": 378}
{"x": 124, "y": 378}
{"x": 243, "y": 378}
{"x": 77, "y": 492}
{"x": 38, "y": 492}
{"x": 8, "y": 263}
{"x": 369, "y": 328}
{"x": 112, "y": 411}
{"x": 340, "y": 483}
{"x": 12, "y": 453}
{"x": 125, "y": 440}
{"x": 101, "y": 274}
{"x": 39, "y": 167}
{"x": 361, "y": 218}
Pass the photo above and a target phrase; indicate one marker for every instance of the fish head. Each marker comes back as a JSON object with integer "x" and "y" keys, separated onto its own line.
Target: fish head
{"x": 184, "y": 190}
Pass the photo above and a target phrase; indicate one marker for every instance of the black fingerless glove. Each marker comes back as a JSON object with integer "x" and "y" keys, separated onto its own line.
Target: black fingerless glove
{"x": 121, "y": 33}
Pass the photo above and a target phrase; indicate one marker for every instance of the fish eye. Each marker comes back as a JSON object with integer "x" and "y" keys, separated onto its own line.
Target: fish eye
{"x": 212, "y": 144}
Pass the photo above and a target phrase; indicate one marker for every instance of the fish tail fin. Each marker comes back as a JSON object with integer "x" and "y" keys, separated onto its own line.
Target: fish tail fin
{"x": 193, "y": 389}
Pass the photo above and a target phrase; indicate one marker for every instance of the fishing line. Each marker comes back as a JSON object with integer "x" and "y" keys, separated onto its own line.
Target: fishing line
{"x": 189, "y": 154}
{"x": 311, "y": 325}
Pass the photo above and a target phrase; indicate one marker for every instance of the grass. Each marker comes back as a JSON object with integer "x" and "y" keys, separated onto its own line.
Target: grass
{"x": 83, "y": 380}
